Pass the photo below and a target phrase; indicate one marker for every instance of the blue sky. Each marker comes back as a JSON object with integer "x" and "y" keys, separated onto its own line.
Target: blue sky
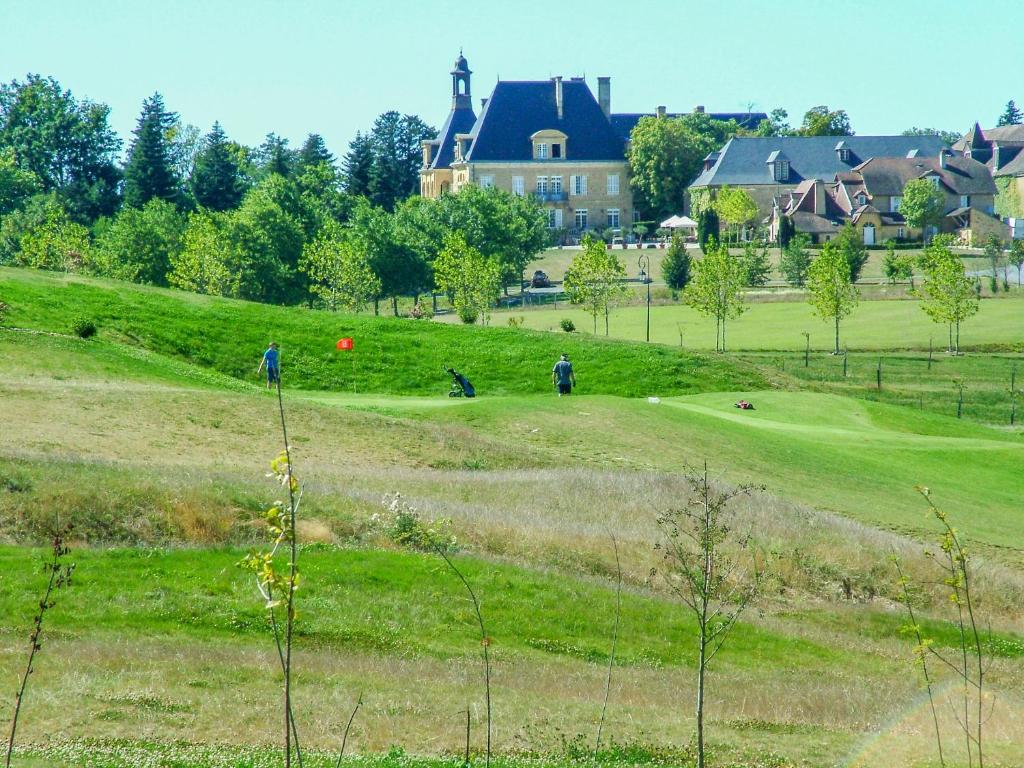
{"x": 330, "y": 67}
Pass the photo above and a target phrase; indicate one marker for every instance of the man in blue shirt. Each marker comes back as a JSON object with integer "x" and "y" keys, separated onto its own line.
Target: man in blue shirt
{"x": 563, "y": 377}
{"x": 270, "y": 359}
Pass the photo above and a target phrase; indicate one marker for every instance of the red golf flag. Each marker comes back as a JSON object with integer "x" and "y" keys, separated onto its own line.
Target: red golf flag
{"x": 345, "y": 343}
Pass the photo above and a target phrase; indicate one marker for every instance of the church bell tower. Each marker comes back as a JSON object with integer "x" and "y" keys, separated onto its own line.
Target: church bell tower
{"x": 461, "y": 96}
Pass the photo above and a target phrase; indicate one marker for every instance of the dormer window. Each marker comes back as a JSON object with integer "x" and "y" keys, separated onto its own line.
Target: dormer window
{"x": 844, "y": 155}
{"x": 862, "y": 199}
{"x": 781, "y": 170}
{"x": 549, "y": 144}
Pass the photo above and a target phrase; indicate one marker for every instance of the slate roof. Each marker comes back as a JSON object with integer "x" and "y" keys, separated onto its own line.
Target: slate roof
{"x": 459, "y": 120}
{"x": 1013, "y": 168}
{"x": 518, "y": 109}
{"x": 889, "y": 175}
{"x": 625, "y": 122}
{"x": 743, "y": 160}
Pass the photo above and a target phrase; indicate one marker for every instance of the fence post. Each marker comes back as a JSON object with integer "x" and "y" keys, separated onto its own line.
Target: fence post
{"x": 930, "y": 338}
{"x": 807, "y": 349}
{"x": 1013, "y": 395}
{"x": 846, "y": 362}
{"x": 878, "y": 375}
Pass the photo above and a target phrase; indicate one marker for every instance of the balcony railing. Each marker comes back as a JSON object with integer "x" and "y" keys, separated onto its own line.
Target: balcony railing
{"x": 550, "y": 197}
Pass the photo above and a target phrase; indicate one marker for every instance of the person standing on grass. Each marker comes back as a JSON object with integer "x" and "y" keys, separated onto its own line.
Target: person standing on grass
{"x": 562, "y": 376}
{"x": 271, "y": 360}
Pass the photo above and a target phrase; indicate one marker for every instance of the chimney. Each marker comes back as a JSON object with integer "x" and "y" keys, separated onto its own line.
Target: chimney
{"x": 699, "y": 109}
{"x": 483, "y": 103}
{"x": 558, "y": 95}
{"x": 660, "y": 109}
{"x": 604, "y": 95}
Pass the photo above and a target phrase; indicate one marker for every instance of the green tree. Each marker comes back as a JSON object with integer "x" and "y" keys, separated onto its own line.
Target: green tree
{"x": 666, "y": 154}
{"x": 266, "y": 235}
{"x": 31, "y": 214}
{"x": 736, "y": 208}
{"x": 204, "y": 263}
{"x": 322, "y": 197}
{"x": 947, "y": 295}
{"x": 400, "y": 267}
{"x": 1011, "y": 115}
{"x": 677, "y": 266}
{"x": 186, "y": 144}
{"x": 1017, "y": 258}
{"x": 786, "y": 230}
{"x": 895, "y": 266}
{"x": 218, "y": 182}
{"x": 149, "y": 172}
{"x": 831, "y": 291}
{"x": 922, "y": 204}
{"x": 850, "y": 243}
{"x": 358, "y": 165}
{"x": 755, "y": 264}
{"x": 949, "y": 137}
{"x": 595, "y": 279}
{"x": 707, "y": 229}
{"x": 68, "y": 144}
{"x": 395, "y": 143}
{"x": 56, "y": 243}
{"x": 716, "y": 290}
{"x": 274, "y": 157}
{"x": 470, "y": 279}
{"x": 795, "y": 260}
{"x": 509, "y": 228}
{"x": 16, "y": 184}
{"x": 339, "y": 271}
{"x": 775, "y": 124}
{"x": 821, "y": 121}
{"x": 139, "y": 244}
{"x": 313, "y": 152}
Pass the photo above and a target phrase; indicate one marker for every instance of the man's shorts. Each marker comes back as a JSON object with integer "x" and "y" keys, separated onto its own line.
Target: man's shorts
{"x": 273, "y": 375}
{"x": 564, "y": 389}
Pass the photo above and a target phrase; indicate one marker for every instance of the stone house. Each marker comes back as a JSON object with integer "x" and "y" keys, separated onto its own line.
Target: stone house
{"x": 769, "y": 167}
{"x": 869, "y": 196}
{"x": 1002, "y": 150}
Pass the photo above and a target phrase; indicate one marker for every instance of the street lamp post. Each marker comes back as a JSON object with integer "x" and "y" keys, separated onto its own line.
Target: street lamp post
{"x": 644, "y": 262}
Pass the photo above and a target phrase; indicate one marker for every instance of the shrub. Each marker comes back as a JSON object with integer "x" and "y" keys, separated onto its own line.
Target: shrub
{"x": 567, "y": 325}
{"x": 83, "y": 328}
{"x": 516, "y": 322}
{"x": 404, "y": 525}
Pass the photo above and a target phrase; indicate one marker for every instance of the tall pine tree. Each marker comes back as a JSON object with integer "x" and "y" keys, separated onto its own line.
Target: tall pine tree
{"x": 314, "y": 152}
{"x": 149, "y": 172}
{"x": 357, "y": 165}
{"x": 273, "y": 156}
{"x": 1011, "y": 115}
{"x": 218, "y": 182}
{"x": 397, "y": 154}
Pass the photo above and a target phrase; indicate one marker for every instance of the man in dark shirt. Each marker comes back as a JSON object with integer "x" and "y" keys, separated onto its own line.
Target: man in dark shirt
{"x": 563, "y": 377}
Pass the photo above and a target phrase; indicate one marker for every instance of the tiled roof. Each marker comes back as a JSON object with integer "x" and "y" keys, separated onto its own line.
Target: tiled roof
{"x": 518, "y": 109}
{"x": 1013, "y": 168}
{"x": 625, "y": 122}
{"x": 889, "y": 175}
{"x": 743, "y": 159}
{"x": 459, "y": 121}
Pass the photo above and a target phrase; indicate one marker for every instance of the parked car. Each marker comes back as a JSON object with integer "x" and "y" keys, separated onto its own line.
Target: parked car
{"x": 540, "y": 280}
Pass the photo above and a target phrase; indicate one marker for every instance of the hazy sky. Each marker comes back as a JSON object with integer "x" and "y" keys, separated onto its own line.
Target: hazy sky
{"x": 330, "y": 67}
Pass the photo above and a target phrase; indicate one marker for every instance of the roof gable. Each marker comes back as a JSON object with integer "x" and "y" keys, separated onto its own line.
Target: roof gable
{"x": 743, "y": 160}
{"x": 460, "y": 120}
{"x": 516, "y": 110}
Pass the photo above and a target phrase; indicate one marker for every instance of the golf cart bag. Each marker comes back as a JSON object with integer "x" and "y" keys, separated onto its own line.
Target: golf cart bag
{"x": 460, "y": 385}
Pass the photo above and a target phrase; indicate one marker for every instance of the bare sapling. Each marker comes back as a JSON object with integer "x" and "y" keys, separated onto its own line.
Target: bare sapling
{"x": 969, "y": 661}
{"x": 442, "y": 546}
{"x": 348, "y": 727}
{"x": 277, "y": 586}
{"x": 920, "y": 651}
{"x": 699, "y": 567}
{"x": 59, "y": 573}
{"x": 615, "y": 640}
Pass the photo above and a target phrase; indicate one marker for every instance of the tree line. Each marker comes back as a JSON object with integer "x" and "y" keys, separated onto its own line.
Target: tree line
{"x": 203, "y": 212}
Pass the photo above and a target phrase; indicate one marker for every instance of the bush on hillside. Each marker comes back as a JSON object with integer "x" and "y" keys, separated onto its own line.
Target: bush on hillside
{"x": 567, "y": 325}
{"x": 83, "y": 328}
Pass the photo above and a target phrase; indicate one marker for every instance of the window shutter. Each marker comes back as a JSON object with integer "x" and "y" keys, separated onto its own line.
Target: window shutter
{"x": 572, "y": 185}
{"x": 583, "y": 185}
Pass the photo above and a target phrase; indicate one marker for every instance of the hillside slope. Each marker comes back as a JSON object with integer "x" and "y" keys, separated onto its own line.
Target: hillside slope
{"x": 395, "y": 356}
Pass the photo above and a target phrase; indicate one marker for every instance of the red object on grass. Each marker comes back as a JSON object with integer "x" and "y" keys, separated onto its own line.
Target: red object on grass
{"x": 345, "y": 343}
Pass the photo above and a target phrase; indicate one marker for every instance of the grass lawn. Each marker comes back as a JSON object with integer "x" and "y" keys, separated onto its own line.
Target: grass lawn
{"x": 393, "y": 356}
{"x": 154, "y": 437}
{"x": 874, "y": 325}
